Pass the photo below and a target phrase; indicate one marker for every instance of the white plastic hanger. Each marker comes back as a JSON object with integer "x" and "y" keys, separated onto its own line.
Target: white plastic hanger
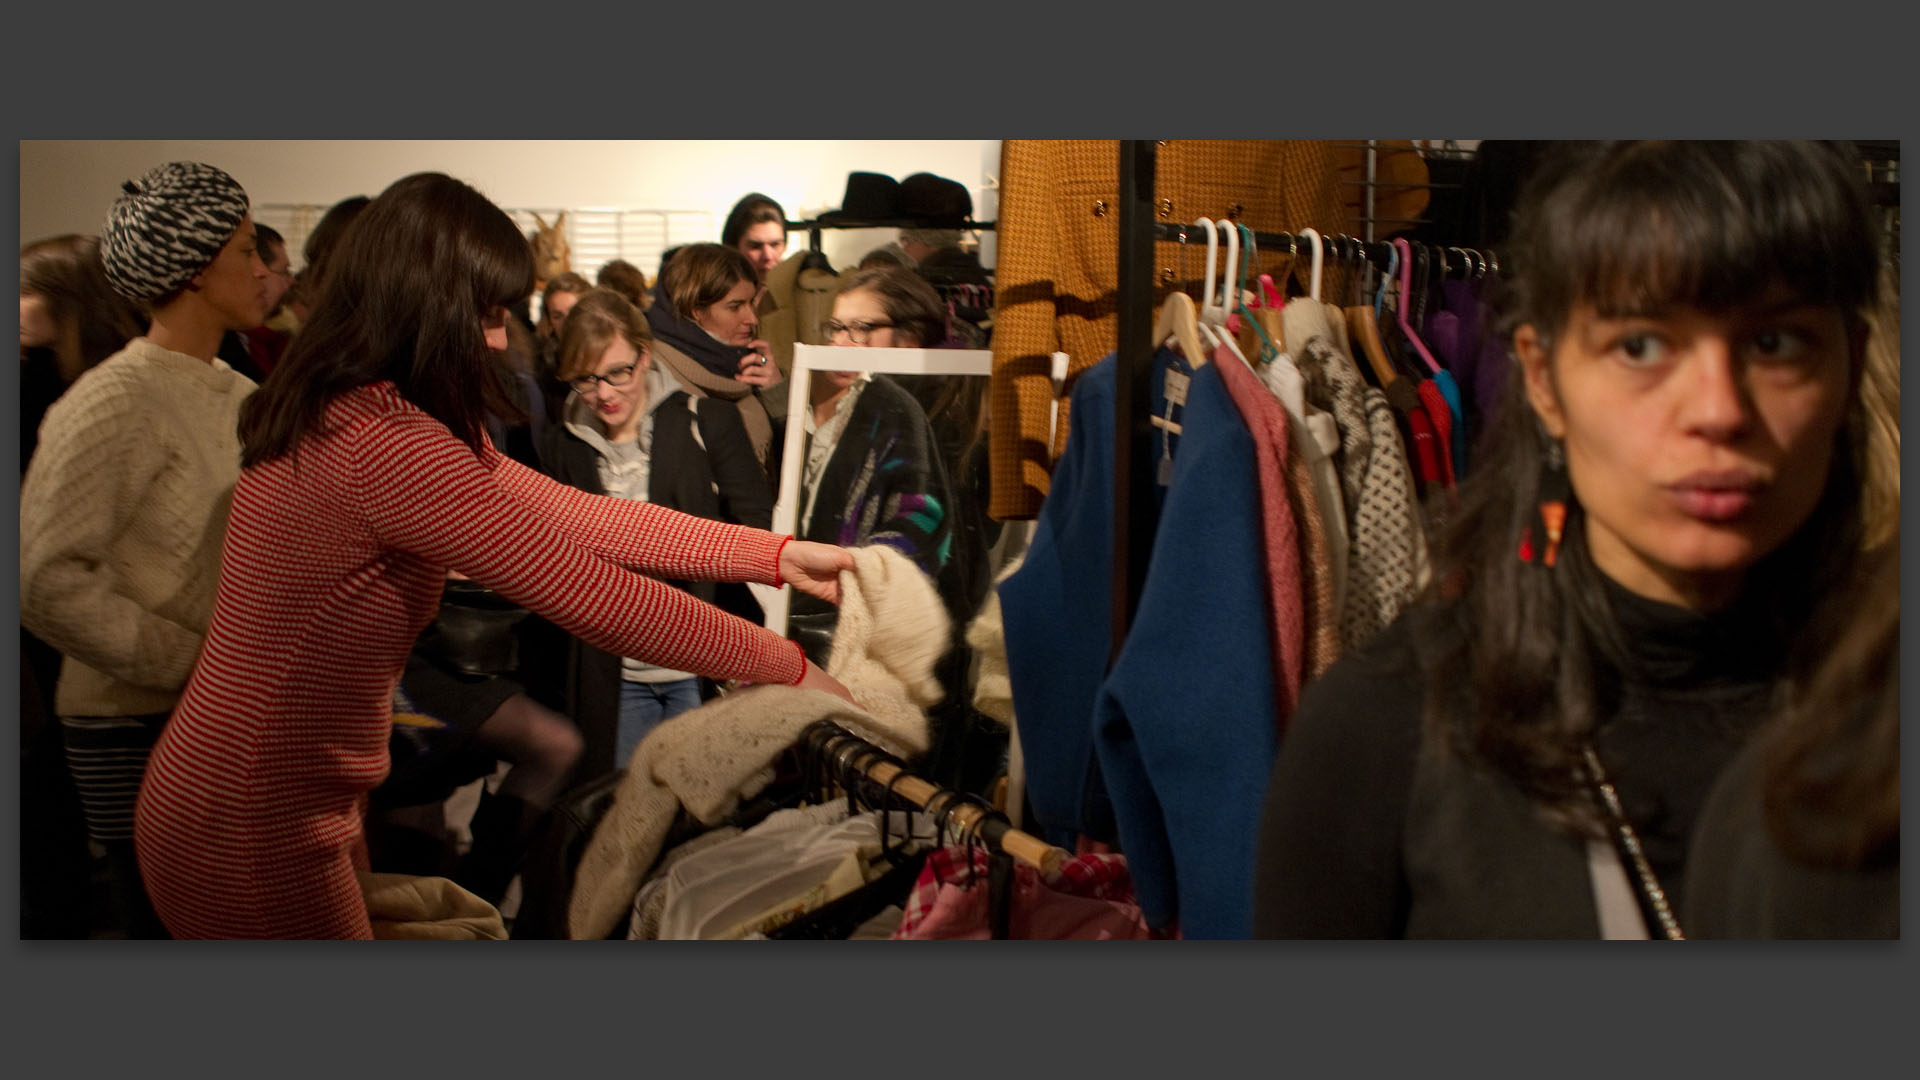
{"x": 1209, "y": 339}
{"x": 1214, "y": 317}
{"x": 1319, "y": 259}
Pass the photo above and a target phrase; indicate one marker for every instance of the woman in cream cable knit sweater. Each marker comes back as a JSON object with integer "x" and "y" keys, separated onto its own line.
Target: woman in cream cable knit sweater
{"x": 124, "y": 507}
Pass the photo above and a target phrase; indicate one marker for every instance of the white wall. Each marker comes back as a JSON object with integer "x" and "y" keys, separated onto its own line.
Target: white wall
{"x": 67, "y": 185}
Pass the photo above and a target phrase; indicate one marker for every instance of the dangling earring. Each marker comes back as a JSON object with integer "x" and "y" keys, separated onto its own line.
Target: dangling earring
{"x": 1550, "y": 517}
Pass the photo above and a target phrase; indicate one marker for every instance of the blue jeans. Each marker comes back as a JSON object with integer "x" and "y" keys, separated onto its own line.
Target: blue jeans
{"x": 642, "y": 708}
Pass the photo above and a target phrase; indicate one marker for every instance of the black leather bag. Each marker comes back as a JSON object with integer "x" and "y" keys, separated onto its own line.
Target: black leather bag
{"x": 474, "y": 631}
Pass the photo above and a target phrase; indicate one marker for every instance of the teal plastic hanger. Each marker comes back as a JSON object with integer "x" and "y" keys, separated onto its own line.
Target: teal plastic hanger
{"x": 1268, "y": 350}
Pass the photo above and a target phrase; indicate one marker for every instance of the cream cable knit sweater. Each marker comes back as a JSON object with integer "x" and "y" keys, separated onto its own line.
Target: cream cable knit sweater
{"x": 892, "y": 630}
{"x": 122, "y": 516}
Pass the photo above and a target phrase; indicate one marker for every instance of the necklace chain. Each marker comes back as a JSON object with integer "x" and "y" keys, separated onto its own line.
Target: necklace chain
{"x": 1650, "y": 889}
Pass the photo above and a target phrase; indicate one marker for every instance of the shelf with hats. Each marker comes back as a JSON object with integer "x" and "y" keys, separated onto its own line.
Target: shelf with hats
{"x": 878, "y": 201}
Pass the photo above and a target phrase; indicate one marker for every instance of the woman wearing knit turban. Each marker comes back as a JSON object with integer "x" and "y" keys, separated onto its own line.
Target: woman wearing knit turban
{"x": 124, "y": 508}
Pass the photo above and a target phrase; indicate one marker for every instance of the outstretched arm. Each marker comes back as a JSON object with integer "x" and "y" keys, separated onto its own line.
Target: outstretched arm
{"x": 639, "y": 535}
{"x": 424, "y": 492}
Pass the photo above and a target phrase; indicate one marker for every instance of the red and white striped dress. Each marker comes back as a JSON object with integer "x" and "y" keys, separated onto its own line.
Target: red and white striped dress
{"x": 249, "y": 819}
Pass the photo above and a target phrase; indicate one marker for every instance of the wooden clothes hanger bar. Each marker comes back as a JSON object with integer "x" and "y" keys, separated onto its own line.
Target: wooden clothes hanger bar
{"x": 991, "y": 828}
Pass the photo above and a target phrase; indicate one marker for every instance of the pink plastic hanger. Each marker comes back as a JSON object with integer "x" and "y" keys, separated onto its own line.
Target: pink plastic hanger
{"x": 1400, "y": 314}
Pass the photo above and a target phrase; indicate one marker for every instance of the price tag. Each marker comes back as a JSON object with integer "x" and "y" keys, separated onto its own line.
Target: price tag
{"x": 1176, "y": 387}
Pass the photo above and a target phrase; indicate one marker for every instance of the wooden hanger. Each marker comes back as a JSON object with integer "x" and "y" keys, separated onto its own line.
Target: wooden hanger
{"x": 1180, "y": 321}
{"x": 1364, "y": 329}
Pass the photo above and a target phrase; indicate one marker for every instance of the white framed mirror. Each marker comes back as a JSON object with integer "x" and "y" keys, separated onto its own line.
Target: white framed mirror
{"x": 808, "y": 359}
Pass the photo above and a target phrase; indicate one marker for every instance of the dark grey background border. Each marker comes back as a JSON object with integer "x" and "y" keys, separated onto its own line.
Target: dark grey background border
{"x": 359, "y": 70}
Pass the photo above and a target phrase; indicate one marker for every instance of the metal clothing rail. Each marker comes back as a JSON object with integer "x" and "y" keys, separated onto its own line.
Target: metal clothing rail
{"x": 850, "y": 754}
{"x": 1335, "y": 245}
{"x": 1140, "y": 228}
{"x": 816, "y": 226}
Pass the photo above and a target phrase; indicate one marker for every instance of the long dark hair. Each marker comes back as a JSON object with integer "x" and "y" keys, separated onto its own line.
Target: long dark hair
{"x": 66, "y": 272}
{"x": 1623, "y": 226}
{"x": 403, "y": 302}
{"x": 1830, "y": 779}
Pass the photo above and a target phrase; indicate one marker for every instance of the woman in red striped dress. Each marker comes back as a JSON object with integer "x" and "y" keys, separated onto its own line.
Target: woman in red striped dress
{"x": 366, "y": 476}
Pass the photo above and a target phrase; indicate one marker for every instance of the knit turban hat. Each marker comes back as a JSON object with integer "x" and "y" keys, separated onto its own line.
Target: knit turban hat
{"x": 167, "y": 226}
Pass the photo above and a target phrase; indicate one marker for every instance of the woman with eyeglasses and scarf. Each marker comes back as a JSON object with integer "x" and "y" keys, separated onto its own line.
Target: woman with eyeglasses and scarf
{"x": 705, "y": 333}
{"x": 629, "y": 431}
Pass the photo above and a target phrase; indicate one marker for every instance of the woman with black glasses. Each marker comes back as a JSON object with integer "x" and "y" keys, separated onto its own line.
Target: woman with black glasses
{"x": 874, "y": 472}
{"x": 631, "y": 432}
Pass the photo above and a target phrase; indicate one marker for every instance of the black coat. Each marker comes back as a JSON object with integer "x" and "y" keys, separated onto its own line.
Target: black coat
{"x": 722, "y": 482}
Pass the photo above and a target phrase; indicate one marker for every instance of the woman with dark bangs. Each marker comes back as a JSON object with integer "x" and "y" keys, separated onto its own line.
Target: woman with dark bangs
{"x": 1674, "y": 481}
{"x": 367, "y": 475}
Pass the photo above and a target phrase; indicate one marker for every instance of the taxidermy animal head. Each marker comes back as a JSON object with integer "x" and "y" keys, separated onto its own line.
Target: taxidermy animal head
{"x": 549, "y": 248}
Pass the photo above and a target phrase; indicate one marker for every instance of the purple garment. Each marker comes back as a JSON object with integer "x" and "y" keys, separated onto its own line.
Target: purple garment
{"x": 1482, "y": 364}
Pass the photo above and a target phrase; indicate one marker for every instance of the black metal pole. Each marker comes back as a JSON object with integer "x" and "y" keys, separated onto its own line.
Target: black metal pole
{"x": 1132, "y": 478}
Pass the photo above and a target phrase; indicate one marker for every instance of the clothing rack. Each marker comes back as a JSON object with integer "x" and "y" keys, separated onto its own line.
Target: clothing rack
{"x": 1140, "y": 228}
{"x": 849, "y": 755}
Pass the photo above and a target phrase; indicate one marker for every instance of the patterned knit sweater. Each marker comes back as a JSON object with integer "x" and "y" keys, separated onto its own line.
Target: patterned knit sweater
{"x": 249, "y": 821}
{"x": 121, "y": 518}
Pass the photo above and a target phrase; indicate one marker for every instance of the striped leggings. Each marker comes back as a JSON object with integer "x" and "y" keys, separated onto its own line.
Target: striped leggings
{"x": 107, "y": 756}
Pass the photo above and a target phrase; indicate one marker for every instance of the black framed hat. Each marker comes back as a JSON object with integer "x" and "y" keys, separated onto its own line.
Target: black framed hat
{"x": 869, "y": 197}
{"x": 935, "y": 202}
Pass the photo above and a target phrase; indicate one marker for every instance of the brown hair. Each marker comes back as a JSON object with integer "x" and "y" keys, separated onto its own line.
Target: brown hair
{"x": 1880, "y": 405}
{"x": 404, "y": 298}
{"x": 626, "y": 279}
{"x": 321, "y": 244}
{"x": 1830, "y": 782}
{"x": 93, "y": 320}
{"x": 568, "y": 282}
{"x": 911, "y": 304}
{"x": 268, "y": 241}
{"x": 701, "y": 275}
{"x": 598, "y": 319}
{"x": 751, "y": 210}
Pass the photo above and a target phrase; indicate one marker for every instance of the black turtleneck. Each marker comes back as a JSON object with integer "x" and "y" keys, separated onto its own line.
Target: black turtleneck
{"x": 1370, "y": 831}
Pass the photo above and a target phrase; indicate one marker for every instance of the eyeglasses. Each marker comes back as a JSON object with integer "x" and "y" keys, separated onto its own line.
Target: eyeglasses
{"x": 857, "y": 332}
{"x": 619, "y": 376}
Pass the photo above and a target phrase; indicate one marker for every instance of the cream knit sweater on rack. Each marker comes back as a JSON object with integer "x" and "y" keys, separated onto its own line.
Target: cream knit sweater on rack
{"x": 122, "y": 516}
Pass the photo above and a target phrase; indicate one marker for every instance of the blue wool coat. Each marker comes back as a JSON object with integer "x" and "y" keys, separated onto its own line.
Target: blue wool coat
{"x": 1182, "y": 730}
